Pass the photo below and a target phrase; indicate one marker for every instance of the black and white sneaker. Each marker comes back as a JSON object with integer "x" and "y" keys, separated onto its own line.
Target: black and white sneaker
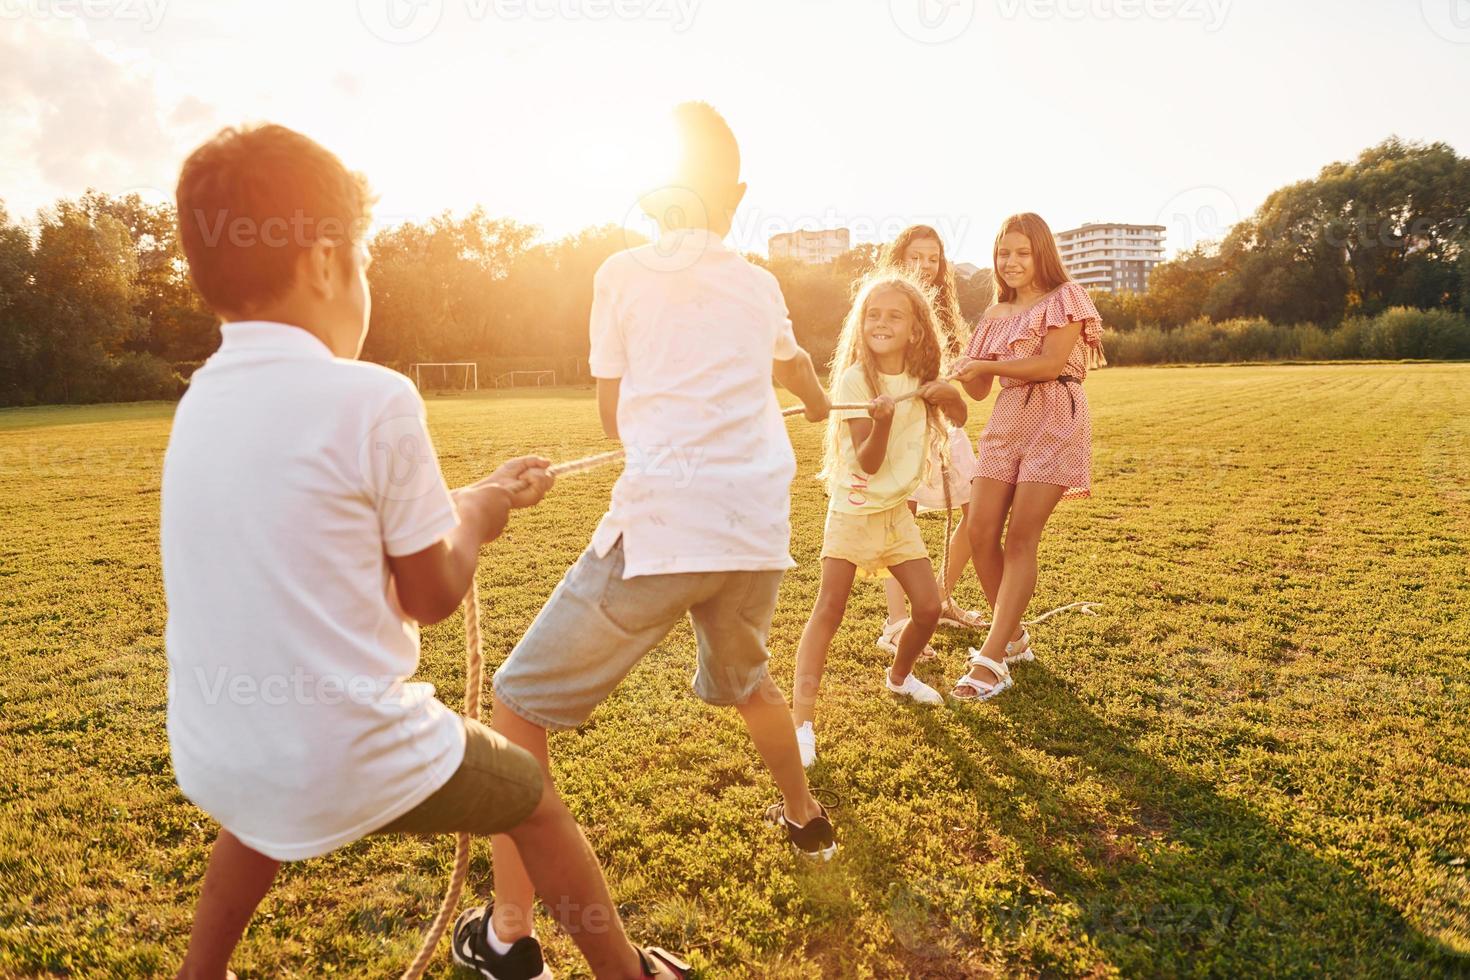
{"x": 816, "y": 839}
{"x": 472, "y": 949}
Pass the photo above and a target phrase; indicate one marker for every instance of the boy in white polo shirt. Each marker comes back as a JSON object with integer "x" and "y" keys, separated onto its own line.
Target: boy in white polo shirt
{"x": 306, "y": 532}
{"x": 686, "y": 336}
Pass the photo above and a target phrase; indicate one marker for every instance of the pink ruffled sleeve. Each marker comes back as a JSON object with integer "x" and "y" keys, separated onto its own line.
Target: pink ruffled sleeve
{"x": 981, "y": 346}
{"x": 1071, "y": 304}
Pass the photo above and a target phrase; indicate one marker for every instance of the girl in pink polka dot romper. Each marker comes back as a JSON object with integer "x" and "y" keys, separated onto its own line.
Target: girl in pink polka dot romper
{"x": 1039, "y": 337}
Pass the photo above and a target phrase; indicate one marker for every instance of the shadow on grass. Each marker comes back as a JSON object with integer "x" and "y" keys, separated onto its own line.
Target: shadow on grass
{"x": 1187, "y": 883}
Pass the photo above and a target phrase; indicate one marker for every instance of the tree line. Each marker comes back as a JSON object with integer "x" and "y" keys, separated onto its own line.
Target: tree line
{"x": 1371, "y": 258}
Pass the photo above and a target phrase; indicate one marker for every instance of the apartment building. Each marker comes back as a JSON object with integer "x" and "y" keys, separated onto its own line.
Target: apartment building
{"x": 811, "y": 247}
{"x": 1112, "y": 257}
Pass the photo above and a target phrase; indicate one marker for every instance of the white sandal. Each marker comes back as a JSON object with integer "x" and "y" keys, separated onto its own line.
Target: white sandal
{"x": 1019, "y": 651}
{"x": 888, "y": 640}
{"x": 983, "y": 690}
{"x": 967, "y": 618}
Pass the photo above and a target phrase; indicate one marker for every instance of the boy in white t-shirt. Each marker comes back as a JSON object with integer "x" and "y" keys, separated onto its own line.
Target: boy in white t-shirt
{"x": 306, "y": 532}
{"x": 686, "y": 336}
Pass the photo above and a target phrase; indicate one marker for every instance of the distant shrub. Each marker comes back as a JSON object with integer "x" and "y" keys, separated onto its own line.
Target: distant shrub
{"x": 1394, "y": 334}
{"x": 138, "y": 377}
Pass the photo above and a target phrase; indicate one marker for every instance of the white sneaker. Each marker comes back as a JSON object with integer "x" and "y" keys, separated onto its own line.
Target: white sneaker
{"x": 806, "y": 744}
{"x": 914, "y": 688}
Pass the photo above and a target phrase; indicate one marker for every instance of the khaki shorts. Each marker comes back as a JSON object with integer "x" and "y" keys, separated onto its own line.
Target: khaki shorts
{"x": 597, "y": 625}
{"x": 495, "y": 788}
{"x": 874, "y": 542}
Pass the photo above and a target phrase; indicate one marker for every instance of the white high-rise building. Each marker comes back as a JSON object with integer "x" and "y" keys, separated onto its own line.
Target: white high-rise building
{"x": 1112, "y": 257}
{"x": 811, "y": 247}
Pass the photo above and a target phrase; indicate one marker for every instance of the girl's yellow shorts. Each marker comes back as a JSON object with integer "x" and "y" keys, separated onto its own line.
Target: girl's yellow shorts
{"x": 873, "y": 542}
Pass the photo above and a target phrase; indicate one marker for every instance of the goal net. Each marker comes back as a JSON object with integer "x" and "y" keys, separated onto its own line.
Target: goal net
{"x": 446, "y": 375}
{"x": 517, "y": 379}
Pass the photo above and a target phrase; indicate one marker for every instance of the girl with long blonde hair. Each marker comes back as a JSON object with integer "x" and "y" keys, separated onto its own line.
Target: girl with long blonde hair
{"x": 919, "y": 249}
{"x": 890, "y": 356}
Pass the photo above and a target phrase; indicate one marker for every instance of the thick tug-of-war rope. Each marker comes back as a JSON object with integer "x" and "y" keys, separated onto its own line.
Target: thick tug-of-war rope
{"x": 475, "y": 663}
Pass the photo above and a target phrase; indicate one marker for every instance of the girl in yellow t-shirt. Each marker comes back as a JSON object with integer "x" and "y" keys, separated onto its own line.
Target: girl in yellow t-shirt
{"x": 890, "y": 348}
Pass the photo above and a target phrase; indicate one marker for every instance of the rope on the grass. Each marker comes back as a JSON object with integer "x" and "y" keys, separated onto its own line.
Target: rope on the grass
{"x": 1085, "y": 608}
{"x": 474, "y": 659}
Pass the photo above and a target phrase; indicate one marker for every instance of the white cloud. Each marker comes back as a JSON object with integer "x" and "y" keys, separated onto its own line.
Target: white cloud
{"x": 83, "y": 114}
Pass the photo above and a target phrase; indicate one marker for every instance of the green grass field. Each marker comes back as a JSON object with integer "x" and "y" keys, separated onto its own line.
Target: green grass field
{"x": 1254, "y": 762}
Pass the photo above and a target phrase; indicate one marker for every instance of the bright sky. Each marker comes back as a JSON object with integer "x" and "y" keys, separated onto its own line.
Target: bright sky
{"x": 865, "y": 113}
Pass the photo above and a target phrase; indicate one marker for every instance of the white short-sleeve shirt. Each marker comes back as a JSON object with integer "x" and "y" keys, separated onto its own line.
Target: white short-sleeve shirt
{"x": 291, "y": 476}
{"x": 691, "y": 328}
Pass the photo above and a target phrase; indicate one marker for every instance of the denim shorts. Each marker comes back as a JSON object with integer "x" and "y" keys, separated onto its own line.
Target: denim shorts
{"x": 597, "y": 625}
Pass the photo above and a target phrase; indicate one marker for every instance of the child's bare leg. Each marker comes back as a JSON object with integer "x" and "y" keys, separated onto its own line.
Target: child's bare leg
{"x": 564, "y": 870}
{"x": 893, "y": 592}
{"x": 811, "y": 653}
{"x": 917, "y": 579}
{"x": 990, "y": 502}
{"x": 959, "y": 551}
{"x": 1034, "y": 503}
{"x": 769, "y": 724}
{"x": 235, "y": 882}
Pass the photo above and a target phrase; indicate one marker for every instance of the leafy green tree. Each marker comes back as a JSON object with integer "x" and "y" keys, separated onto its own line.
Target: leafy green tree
{"x": 1386, "y": 229}
{"x": 176, "y": 324}
{"x": 1178, "y": 289}
{"x": 18, "y": 343}
{"x": 83, "y": 301}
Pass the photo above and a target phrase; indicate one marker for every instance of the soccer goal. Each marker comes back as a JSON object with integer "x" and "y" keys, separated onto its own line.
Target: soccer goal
{"x": 517, "y": 379}
{"x": 446, "y": 375}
